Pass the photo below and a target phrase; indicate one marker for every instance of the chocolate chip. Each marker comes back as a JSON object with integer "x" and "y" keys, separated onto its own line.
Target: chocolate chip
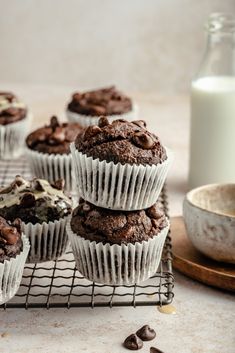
{"x": 19, "y": 180}
{"x": 146, "y": 333}
{"x": 12, "y": 111}
{"x": 57, "y": 136}
{"x": 86, "y": 207}
{"x": 154, "y": 212}
{"x": 140, "y": 123}
{"x": 76, "y": 96}
{"x": 59, "y": 184}
{"x": 37, "y": 185}
{"x": 155, "y": 350}
{"x": 18, "y": 224}
{"x": 91, "y": 131}
{"x": 9, "y": 96}
{"x": 54, "y": 122}
{"x": 103, "y": 121}
{"x": 10, "y": 234}
{"x": 126, "y": 232}
{"x": 98, "y": 109}
{"x": 119, "y": 121}
{"x": 133, "y": 342}
{"x": 143, "y": 140}
{"x": 28, "y": 200}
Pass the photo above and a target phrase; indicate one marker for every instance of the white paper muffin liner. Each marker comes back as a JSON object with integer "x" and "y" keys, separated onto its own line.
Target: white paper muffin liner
{"x": 12, "y": 137}
{"x": 116, "y": 186}
{"x": 52, "y": 167}
{"x": 48, "y": 240}
{"x": 87, "y": 120}
{"x": 117, "y": 264}
{"x": 11, "y": 273}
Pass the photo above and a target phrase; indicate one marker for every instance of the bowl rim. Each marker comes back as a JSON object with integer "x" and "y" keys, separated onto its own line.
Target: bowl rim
{"x": 188, "y": 198}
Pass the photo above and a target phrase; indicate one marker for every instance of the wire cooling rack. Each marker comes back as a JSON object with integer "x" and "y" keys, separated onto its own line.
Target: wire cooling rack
{"x": 59, "y": 284}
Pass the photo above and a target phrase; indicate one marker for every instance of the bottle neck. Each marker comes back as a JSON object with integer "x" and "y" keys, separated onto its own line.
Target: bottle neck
{"x": 219, "y": 56}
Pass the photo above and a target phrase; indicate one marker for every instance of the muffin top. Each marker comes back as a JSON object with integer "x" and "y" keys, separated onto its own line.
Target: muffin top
{"x": 10, "y": 239}
{"x": 54, "y": 138}
{"x": 116, "y": 227}
{"x": 11, "y": 109}
{"x": 34, "y": 201}
{"x": 105, "y": 101}
{"x": 121, "y": 142}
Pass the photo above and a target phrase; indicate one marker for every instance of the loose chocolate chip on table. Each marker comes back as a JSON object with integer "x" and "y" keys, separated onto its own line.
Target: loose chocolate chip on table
{"x": 155, "y": 350}
{"x": 146, "y": 333}
{"x": 133, "y": 342}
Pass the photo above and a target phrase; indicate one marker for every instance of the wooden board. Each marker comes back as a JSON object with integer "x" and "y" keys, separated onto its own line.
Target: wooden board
{"x": 192, "y": 263}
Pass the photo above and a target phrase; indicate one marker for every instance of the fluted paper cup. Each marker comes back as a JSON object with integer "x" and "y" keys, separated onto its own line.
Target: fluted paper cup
{"x": 12, "y": 137}
{"x": 11, "y": 272}
{"x": 48, "y": 240}
{"x": 52, "y": 167}
{"x": 87, "y": 120}
{"x": 117, "y": 264}
{"x": 117, "y": 186}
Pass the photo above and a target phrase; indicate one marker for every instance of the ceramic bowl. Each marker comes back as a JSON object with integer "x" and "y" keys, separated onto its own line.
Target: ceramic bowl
{"x": 209, "y": 215}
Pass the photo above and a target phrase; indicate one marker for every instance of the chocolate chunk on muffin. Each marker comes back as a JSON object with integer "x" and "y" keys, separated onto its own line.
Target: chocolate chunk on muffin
{"x": 54, "y": 138}
{"x": 116, "y": 227}
{"x": 121, "y": 142}
{"x": 10, "y": 239}
{"x": 116, "y": 247}
{"x": 11, "y": 109}
{"x": 34, "y": 201}
{"x": 105, "y": 101}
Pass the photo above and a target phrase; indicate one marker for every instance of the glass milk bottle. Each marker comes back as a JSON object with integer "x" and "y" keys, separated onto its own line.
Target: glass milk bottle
{"x": 212, "y": 145}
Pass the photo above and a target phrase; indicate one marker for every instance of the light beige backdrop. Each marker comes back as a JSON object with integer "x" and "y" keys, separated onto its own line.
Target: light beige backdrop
{"x": 141, "y": 45}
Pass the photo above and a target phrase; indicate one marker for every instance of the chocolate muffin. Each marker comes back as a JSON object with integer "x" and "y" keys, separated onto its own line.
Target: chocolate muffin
{"x": 115, "y": 247}
{"x": 11, "y": 109}
{"x": 116, "y": 227}
{"x": 14, "y": 122}
{"x": 14, "y": 249}
{"x": 49, "y": 152}
{"x": 120, "y": 165}
{"x": 34, "y": 201}
{"x": 43, "y": 209}
{"x": 121, "y": 142}
{"x": 87, "y": 107}
{"x": 54, "y": 138}
{"x": 10, "y": 239}
{"x": 104, "y": 101}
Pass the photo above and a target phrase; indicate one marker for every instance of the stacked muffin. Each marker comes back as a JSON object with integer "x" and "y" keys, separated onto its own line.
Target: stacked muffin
{"x": 117, "y": 231}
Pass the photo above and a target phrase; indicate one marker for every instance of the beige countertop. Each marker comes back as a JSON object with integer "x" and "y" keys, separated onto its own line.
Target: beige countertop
{"x": 204, "y": 322}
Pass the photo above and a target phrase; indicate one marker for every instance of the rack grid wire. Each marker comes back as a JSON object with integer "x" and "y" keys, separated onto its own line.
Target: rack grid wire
{"x": 58, "y": 284}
